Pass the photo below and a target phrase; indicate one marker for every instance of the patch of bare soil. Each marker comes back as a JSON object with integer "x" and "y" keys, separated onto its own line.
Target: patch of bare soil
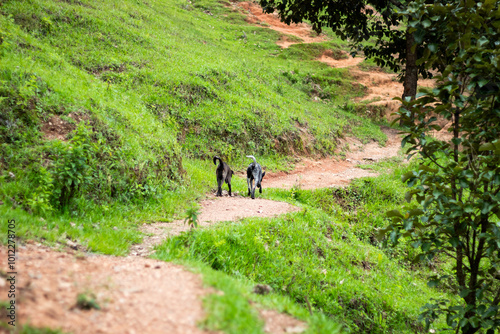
{"x": 57, "y": 128}
{"x": 135, "y": 295}
{"x": 279, "y": 323}
{"x": 255, "y": 15}
{"x": 330, "y": 172}
{"x": 214, "y": 209}
{"x": 346, "y": 60}
{"x": 382, "y": 88}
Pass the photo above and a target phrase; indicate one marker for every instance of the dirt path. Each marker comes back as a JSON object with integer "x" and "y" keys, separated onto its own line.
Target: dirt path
{"x": 330, "y": 172}
{"x": 214, "y": 209}
{"x": 301, "y": 33}
{"x": 136, "y": 295}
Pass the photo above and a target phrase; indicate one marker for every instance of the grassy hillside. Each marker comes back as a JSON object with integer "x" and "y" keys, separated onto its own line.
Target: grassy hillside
{"x": 109, "y": 111}
{"x": 129, "y": 89}
{"x": 325, "y": 255}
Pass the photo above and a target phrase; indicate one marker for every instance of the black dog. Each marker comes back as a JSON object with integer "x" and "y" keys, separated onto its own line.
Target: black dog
{"x": 224, "y": 174}
{"x": 254, "y": 173}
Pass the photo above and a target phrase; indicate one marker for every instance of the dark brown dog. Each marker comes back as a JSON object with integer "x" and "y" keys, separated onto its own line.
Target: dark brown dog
{"x": 223, "y": 173}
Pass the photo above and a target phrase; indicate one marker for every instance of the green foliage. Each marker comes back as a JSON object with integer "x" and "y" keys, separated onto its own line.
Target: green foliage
{"x": 307, "y": 255}
{"x": 87, "y": 301}
{"x": 457, "y": 183}
{"x": 192, "y": 216}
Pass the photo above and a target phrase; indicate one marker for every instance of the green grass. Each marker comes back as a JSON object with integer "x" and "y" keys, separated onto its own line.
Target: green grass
{"x": 233, "y": 308}
{"x": 149, "y": 95}
{"x": 26, "y": 329}
{"x": 150, "y": 91}
{"x": 327, "y": 253}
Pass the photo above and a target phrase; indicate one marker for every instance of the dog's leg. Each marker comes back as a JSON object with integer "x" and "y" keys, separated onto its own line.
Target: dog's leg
{"x": 248, "y": 185}
{"x": 260, "y": 182}
{"x": 219, "y": 186}
{"x": 253, "y": 184}
{"x": 228, "y": 181}
{"x": 251, "y": 189}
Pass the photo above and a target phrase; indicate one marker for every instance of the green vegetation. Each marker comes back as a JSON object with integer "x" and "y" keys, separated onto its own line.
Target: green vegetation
{"x": 87, "y": 301}
{"x": 103, "y": 102}
{"x": 456, "y": 212}
{"x": 326, "y": 253}
{"x": 109, "y": 111}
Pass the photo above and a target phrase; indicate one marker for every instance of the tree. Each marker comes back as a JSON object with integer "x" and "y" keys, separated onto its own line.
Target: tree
{"x": 359, "y": 21}
{"x": 456, "y": 214}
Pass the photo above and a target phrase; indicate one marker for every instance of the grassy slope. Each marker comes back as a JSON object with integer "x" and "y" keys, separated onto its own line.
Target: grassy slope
{"x": 156, "y": 82}
{"x": 163, "y": 81}
{"x": 326, "y": 253}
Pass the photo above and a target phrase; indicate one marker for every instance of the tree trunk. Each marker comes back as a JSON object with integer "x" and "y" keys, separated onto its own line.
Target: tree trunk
{"x": 411, "y": 72}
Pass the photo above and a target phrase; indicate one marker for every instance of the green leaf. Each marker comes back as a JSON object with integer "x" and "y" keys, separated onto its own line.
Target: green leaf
{"x": 406, "y": 176}
{"x": 433, "y": 283}
{"x": 428, "y": 169}
{"x": 380, "y": 234}
{"x": 474, "y": 321}
{"x": 426, "y": 23}
{"x": 469, "y": 208}
{"x": 426, "y": 246}
{"x": 483, "y": 81}
{"x": 419, "y": 35}
{"x": 415, "y": 212}
{"x": 394, "y": 213}
{"x": 493, "y": 146}
{"x": 482, "y": 41}
{"x": 464, "y": 293}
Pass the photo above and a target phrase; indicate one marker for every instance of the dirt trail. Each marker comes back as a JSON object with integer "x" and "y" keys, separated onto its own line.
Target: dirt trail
{"x": 214, "y": 209}
{"x": 136, "y": 295}
{"x": 301, "y": 33}
{"x": 346, "y": 60}
{"x": 330, "y": 172}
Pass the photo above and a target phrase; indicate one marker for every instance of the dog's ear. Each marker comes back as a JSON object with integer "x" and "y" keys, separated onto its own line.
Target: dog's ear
{"x": 263, "y": 174}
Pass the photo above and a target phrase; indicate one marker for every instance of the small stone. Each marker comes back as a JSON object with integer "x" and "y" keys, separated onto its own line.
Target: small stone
{"x": 262, "y": 289}
{"x": 72, "y": 244}
{"x": 294, "y": 329}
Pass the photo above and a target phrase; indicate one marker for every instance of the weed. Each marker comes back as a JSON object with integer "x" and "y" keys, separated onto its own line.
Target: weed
{"x": 87, "y": 301}
{"x": 192, "y": 216}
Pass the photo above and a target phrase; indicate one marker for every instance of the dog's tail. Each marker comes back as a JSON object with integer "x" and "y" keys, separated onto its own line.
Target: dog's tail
{"x": 252, "y": 157}
{"x": 217, "y": 158}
